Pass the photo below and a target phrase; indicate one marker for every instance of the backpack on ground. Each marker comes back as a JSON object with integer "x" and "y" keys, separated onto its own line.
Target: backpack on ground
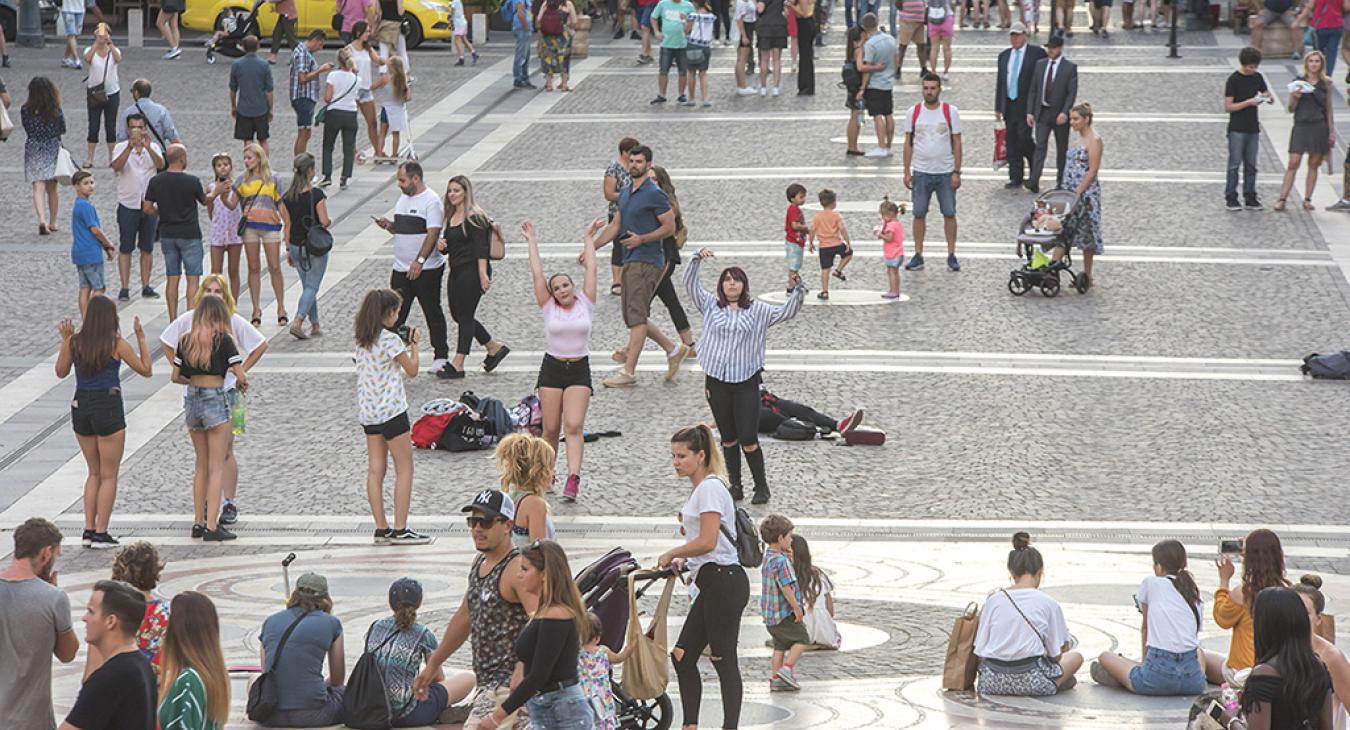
{"x": 749, "y": 550}
{"x": 937, "y": 13}
{"x": 428, "y": 429}
{"x": 550, "y": 23}
{"x": 528, "y": 415}
{"x": 864, "y": 436}
{"x": 793, "y": 429}
{"x": 365, "y": 704}
{"x": 1335, "y": 366}
{"x": 466, "y": 431}
{"x": 496, "y": 415}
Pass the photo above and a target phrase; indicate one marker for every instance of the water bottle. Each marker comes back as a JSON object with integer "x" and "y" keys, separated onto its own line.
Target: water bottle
{"x": 239, "y": 414}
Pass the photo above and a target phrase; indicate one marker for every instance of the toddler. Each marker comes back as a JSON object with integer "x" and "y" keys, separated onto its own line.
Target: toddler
{"x": 781, "y": 604}
{"x": 794, "y": 233}
{"x": 222, "y": 206}
{"x": 892, "y": 235}
{"x": 88, "y": 245}
{"x": 594, "y": 663}
{"x": 828, "y": 226}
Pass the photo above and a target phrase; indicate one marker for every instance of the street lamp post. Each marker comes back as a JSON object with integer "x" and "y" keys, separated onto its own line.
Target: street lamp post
{"x": 1172, "y": 32}
{"x": 30, "y": 24}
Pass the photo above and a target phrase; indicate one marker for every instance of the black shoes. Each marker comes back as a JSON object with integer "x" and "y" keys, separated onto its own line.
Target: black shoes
{"x": 491, "y": 362}
{"x": 220, "y": 534}
{"x": 760, "y": 497}
{"x": 198, "y": 531}
{"x": 1033, "y": 187}
{"x": 103, "y": 541}
{"x": 1012, "y": 185}
{"x": 449, "y": 372}
{"x": 737, "y": 493}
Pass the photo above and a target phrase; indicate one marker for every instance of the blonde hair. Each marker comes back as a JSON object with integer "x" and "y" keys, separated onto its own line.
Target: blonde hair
{"x": 344, "y": 59}
{"x": 526, "y": 463}
{"x": 264, "y": 165}
{"x": 1084, "y": 110}
{"x": 192, "y": 641}
{"x": 224, "y": 291}
{"x": 1322, "y": 74}
{"x": 210, "y": 319}
{"x": 398, "y": 78}
{"x": 471, "y": 209}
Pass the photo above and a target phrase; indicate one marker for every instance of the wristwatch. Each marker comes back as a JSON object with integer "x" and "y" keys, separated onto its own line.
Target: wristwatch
{"x": 421, "y": 259}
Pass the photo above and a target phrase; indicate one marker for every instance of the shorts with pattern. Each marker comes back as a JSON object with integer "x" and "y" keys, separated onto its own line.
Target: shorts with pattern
{"x": 794, "y": 253}
{"x": 1032, "y": 677}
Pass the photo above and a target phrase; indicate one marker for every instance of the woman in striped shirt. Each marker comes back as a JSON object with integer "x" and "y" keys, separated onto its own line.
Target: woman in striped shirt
{"x": 731, "y": 352}
{"x": 194, "y": 686}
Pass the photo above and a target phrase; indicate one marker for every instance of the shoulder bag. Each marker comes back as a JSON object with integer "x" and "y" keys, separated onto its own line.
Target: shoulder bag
{"x": 163, "y": 148}
{"x": 6, "y": 124}
{"x": 318, "y": 240}
{"x": 243, "y": 214}
{"x": 323, "y": 110}
{"x": 496, "y": 243}
{"x": 65, "y": 166}
{"x": 1194, "y": 609}
{"x": 97, "y": 95}
{"x": 646, "y": 671}
{"x": 264, "y": 696}
{"x": 961, "y": 664}
{"x": 337, "y": 16}
{"x": 1039, "y": 635}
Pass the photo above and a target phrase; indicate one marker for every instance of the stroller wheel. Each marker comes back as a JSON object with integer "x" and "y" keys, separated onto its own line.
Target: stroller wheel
{"x": 657, "y": 714}
{"x": 1081, "y": 283}
{"x": 1050, "y": 285}
{"x": 1017, "y": 284}
{"x": 210, "y": 56}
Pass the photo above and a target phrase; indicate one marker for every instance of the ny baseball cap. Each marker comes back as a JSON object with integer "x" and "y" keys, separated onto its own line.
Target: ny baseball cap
{"x": 492, "y": 502}
{"x": 1018, "y": 28}
{"x": 312, "y": 583}
{"x": 405, "y": 592}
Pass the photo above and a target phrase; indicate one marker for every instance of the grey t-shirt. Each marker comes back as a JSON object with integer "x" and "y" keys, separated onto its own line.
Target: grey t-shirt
{"x": 32, "y": 613}
{"x": 300, "y": 673}
{"x": 880, "y": 48}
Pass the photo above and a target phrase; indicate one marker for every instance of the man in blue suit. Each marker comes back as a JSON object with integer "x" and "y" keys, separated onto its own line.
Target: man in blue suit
{"x": 1016, "y": 69}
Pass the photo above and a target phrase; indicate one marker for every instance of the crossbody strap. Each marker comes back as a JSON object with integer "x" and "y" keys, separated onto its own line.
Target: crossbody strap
{"x": 282, "y": 644}
{"x": 163, "y": 148}
{"x": 1039, "y": 635}
{"x": 387, "y": 639}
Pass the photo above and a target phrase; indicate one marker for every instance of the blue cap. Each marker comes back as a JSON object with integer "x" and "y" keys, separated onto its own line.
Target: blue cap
{"x": 405, "y": 592}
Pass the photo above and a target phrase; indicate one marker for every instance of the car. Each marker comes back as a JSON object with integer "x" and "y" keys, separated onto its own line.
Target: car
{"x": 422, "y": 19}
{"x": 9, "y": 16}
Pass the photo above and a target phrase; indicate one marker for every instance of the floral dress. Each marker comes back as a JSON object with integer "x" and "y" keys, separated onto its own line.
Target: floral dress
{"x": 593, "y": 668}
{"x": 555, "y": 51}
{"x": 42, "y": 145}
{"x": 1089, "y": 236}
{"x": 224, "y": 219}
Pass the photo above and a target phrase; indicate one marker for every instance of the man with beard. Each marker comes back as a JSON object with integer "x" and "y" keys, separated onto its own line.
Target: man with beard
{"x": 34, "y": 625}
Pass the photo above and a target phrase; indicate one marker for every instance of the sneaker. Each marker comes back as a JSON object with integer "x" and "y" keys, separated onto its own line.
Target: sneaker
{"x": 326, "y": 182}
{"x": 763, "y": 91}
{"x": 689, "y": 102}
{"x": 382, "y": 535}
{"x": 915, "y": 263}
{"x": 890, "y": 295}
{"x": 408, "y": 536}
{"x": 760, "y": 497}
{"x": 103, "y": 541}
{"x": 198, "y": 531}
{"x": 776, "y": 684}
{"x": 437, "y": 364}
{"x": 123, "y": 295}
{"x": 682, "y": 99}
{"x": 634, "y": 36}
{"x": 876, "y": 152}
{"x": 173, "y": 53}
{"x": 297, "y": 330}
{"x": 674, "y": 361}
{"x": 149, "y": 293}
{"x": 774, "y": 92}
{"x": 460, "y": 62}
{"x": 87, "y": 538}
{"x": 1340, "y": 205}
{"x": 706, "y": 104}
{"x": 644, "y": 60}
{"x": 851, "y": 421}
{"x": 789, "y": 679}
{"x": 1232, "y": 204}
{"x": 475, "y": 58}
{"x": 342, "y": 184}
{"x": 952, "y": 263}
{"x": 220, "y": 534}
{"x": 618, "y": 34}
{"x": 572, "y": 487}
{"x": 658, "y": 100}
{"x": 229, "y": 514}
{"x": 1252, "y": 203}
{"x": 4, "y": 61}
{"x": 1101, "y": 676}
{"x": 737, "y": 493}
{"x": 620, "y": 379}
{"x": 746, "y": 91}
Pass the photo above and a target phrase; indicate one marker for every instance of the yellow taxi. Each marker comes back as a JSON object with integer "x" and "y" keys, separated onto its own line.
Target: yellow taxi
{"x": 422, "y": 19}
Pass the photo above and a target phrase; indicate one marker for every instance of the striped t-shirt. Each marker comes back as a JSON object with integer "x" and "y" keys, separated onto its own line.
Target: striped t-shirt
{"x": 914, "y": 11}
{"x": 731, "y": 347}
{"x": 184, "y": 705}
{"x": 414, "y": 215}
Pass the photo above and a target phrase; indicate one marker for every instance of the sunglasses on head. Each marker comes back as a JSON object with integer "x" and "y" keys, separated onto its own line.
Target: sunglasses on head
{"x": 483, "y": 522}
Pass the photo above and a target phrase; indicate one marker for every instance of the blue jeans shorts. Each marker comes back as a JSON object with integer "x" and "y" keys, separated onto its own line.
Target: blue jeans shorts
{"x": 182, "y": 256}
{"x": 644, "y": 15}
{"x": 893, "y": 263}
{"x": 206, "y": 408}
{"x": 925, "y": 185}
{"x": 72, "y": 23}
{"x": 135, "y": 229}
{"x": 794, "y": 253}
{"x": 676, "y": 57}
{"x": 1166, "y": 673}
{"x": 91, "y": 276}
{"x": 304, "y": 112}
{"x": 563, "y": 709}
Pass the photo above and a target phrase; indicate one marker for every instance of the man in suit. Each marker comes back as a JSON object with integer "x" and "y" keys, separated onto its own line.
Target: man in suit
{"x": 1016, "y": 68}
{"x": 1054, "y": 90}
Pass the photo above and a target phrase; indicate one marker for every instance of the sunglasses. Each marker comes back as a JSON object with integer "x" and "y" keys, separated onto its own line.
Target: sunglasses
{"x": 482, "y": 522}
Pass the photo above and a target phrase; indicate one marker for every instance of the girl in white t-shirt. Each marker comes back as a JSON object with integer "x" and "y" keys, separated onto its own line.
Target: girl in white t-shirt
{"x": 460, "y": 24}
{"x": 1172, "y": 609}
{"x": 709, "y": 519}
{"x": 383, "y": 359}
{"x": 1023, "y": 641}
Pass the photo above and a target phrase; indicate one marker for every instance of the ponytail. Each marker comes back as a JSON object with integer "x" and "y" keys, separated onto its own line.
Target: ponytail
{"x": 700, "y": 438}
{"x": 1171, "y": 556}
{"x": 405, "y": 616}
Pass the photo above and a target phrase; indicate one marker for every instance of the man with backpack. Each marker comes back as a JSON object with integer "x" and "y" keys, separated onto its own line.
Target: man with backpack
{"x": 522, "y": 26}
{"x": 933, "y": 165}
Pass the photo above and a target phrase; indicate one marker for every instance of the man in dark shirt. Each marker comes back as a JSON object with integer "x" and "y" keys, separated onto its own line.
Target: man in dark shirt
{"x": 251, "y": 95}
{"x": 121, "y": 694}
{"x": 1245, "y": 90}
{"x": 174, "y": 195}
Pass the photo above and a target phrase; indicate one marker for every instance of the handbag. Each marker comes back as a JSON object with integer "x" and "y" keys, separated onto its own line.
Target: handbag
{"x": 958, "y": 669}
{"x": 264, "y": 696}
{"x": 337, "y": 17}
{"x": 65, "y": 166}
{"x": 696, "y": 55}
{"x": 1000, "y": 145}
{"x": 646, "y": 672}
{"x": 318, "y": 240}
{"x": 97, "y": 95}
{"x": 6, "y": 124}
{"x": 496, "y": 244}
{"x": 323, "y": 110}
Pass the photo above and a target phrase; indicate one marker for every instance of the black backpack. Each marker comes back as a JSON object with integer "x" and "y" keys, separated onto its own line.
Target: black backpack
{"x": 1333, "y": 366}
{"x": 263, "y": 696}
{"x": 749, "y": 550}
{"x": 793, "y": 429}
{"x": 365, "y": 704}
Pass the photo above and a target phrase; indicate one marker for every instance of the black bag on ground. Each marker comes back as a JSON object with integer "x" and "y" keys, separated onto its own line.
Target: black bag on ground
{"x": 464, "y": 432}
{"x": 1335, "y": 366}
{"x": 365, "y": 704}
{"x": 792, "y": 429}
{"x": 264, "y": 697}
{"x": 495, "y": 414}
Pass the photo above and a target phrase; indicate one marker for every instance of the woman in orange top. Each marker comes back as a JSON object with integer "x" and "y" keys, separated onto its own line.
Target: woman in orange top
{"x": 1262, "y": 567}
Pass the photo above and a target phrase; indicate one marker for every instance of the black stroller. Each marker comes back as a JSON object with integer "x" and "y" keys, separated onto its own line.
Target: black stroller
{"x": 604, "y": 587}
{"x": 1053, "y": 223}
{"x": 233, "y": 28}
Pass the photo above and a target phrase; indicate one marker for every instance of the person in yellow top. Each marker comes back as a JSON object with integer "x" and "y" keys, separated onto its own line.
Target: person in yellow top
{"x": 260, "y": 205}
{"x": 1262, "y": 567}
{"x": 805, "y": 12}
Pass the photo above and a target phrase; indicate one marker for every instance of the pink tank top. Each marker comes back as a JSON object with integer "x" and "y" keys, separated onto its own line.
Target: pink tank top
{"x": 567, "y": 332}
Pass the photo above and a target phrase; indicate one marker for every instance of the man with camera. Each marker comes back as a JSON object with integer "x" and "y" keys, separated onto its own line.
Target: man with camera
{"x": 134, "y": 162}
{"x": 419, "y": 269}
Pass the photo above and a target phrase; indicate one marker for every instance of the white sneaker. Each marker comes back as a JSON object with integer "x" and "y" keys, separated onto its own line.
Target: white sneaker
{"x": 877, "y": 152}
{"x": 437, "y": 364}
{"x": 775, "y": 91}
{"x": 763, "y": 91}
{"x": 746, "y": 91}
{"x": 173, "y": 53}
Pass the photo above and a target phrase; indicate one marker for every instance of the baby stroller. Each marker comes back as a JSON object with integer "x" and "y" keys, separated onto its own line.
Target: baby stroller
{"x": 1052, "y": 223}
{"x": 604, "y": 587}
{"x": 229, "y": 40}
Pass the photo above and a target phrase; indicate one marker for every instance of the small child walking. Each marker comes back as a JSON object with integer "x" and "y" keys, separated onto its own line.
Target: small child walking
{"x": 86, "y": 240}
{"x": 817, "y": 594}
{"x": 892, "y": 234}
{"x": 828, "y": 227}
{"x": 222, "y": 207}
{"x": 794, "y": 233}
{"x": 781, "y": 603}
{"x": 394, "y": 97}
{"x": 460, "y": 33}
{"x": 594, "y": 662}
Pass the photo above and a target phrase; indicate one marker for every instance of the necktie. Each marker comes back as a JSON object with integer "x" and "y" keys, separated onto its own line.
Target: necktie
{"x": 1014, "y": 72}
{"x": 1049, "y": 79}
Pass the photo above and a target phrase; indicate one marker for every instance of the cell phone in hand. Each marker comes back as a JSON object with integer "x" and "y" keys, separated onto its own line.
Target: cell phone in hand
{"x": 404, "y": 333}
{"x": 1230, "y": 548}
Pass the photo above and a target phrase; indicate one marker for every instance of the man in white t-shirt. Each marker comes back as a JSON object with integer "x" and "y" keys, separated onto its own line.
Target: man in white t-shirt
{"x": 134, "y": 162}
{"x": 419, "y": 268}
{"x": 933, "y": 165}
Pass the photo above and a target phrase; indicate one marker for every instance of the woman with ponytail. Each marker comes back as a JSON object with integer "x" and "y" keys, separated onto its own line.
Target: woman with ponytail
{"x": 401, "y": 645}
{"x": 525, "y": 464}
{"x": 194, "y": 687}
{"x": 1172, "y": 608}
{"x": 709, "y": 519}
{"x": 1309, "y": 588}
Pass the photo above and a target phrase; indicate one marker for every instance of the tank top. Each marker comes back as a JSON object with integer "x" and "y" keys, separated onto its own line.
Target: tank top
{"x": 105, "y": 379}
{"x": 494, "y": 624}
{"x": 520, "y": 536}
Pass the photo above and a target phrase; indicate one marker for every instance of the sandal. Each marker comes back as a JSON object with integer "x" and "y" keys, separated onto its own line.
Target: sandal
{"x": 1279, "y": 206}
{"x": 1308, "y": 204}
{"x": 839, "y": 275}
{"x": 491, "y": 362}
{"x": 616, "y": 289}
{"x": 257, "y": 319}
{"x": 283, "y": 320}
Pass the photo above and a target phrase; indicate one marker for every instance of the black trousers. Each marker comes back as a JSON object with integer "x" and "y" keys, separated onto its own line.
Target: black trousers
{"x": 1045, "y": 124}
{"x": 1020, "y": 145}
{"x": 714, "y": 620}
{"x": 722, "y": 26}
{"x": 464, "y": 292}
{"x": 769, "y": 419}
{"x": 735, "y": 408}
{"x": 339, "y": 121}
{"x": 806, "y": 61}
{"x": 283, "y": 34}
{"x": 665, "y": 291}
{"x": 426, "y": 289}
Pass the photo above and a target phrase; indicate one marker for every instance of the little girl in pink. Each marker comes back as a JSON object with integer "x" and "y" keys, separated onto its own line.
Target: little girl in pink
{"x": 222, "y": 205}
{"x": 892, "y": 235}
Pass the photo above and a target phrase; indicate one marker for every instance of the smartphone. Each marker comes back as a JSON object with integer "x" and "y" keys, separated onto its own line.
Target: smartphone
{"x": 404, "y": 333}
{"x": 1215, "y": 711}
{"x": 1231, "y": 548}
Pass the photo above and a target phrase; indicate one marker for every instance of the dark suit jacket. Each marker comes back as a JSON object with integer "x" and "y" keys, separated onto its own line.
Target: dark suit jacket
{"x": 1032, "y": 55}
{"x": 1063, "y": 89}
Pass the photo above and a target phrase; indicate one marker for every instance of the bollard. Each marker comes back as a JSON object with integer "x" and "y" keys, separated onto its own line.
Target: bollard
{"x": 1172, "y": 32}
{"x": 478, "y": 28}
{"x": 29, "y": 34}
{"x": 135, "y": 28}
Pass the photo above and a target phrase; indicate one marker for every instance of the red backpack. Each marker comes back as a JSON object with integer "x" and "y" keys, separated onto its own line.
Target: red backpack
{"x": 550, "y": 23}
{"x": 428, "y": 429}
{"x": 946, "y": 112}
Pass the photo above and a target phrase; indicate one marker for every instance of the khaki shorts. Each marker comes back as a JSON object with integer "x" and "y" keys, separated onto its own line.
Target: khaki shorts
{"x": 911, "y": 32}
{"x": 639, "y": 282}
{"x": 787, "y": 633}
{"x": 486, "y": 702}
{"x": 1065, "y": 4}
{"x": 387, "y": 32}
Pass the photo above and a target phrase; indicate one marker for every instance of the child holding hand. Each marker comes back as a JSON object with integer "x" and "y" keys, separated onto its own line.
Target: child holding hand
{"x": 781, "y": 603}
{"x": 892, "y": 235}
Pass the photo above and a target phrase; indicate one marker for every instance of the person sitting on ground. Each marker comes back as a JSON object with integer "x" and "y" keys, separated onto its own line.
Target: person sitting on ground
{"x": 1171, "y": 606}
{"x": 400, "y": 644}
{"x": 1023, "y": 641}
{"x": 194, "y": 686}
{"x": 525, "y": 464}
{"x": 307, "y": 700}
{"x": 1262, "y": 567}
{"x": 139, "y": 566}
{"x": 1309, "y": 588}
{"x": 1289, "y": 687}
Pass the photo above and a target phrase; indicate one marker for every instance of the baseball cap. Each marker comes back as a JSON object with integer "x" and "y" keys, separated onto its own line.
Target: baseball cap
{"x": 1017, "y": 27}
{"x": 405, "y": 592}
{"x": 312, "y": 583}
{"x": 1056, "y": 40}
{"x": 492, "y": 502}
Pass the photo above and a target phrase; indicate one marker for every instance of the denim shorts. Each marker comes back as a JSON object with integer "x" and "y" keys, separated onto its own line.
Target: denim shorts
{"x": 793, "y": 252}
{"x": 72, "y": 23}
{"x": 304, "y": 112}
{"x": 676, "y": 57}
{"x": 181, "y": 256}
{"x": 562, "y": 709}
{"x": 135, "y": 229}
{"x": 1168, "y": 674}
{"x": 925, "y": 185}
{"x": 364, "y": 96}
{"x": 644, "y": 15}
{"x": 893, "y": 263}
{"x": 91, "y": 276}
{"x": 206, "y": 408}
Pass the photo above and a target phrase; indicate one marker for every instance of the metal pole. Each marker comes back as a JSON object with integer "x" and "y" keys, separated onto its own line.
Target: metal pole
{"x": 1172, "y": 32}
{"x": 30, "y": 24}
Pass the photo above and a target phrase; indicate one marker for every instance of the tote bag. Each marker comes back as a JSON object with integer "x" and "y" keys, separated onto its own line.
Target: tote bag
{"x": 958, "y": 671}
{"x": 65, "y": 166}
{"x": 6, "y": 124}
{"x": 646, "y": 672}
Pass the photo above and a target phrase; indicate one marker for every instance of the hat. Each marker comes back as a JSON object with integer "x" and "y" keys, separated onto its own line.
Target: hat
{"x": 312, "y": 583}
{"x": 1056, "y": 40}
{"x": 1017, "y": 28}
{"x": 405, "y": 592}
{"x": 492, "y": 502}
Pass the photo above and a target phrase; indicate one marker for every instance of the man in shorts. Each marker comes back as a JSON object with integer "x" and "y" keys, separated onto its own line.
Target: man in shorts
{"x": 134, "y": 163}
{"x": 645, "y": 218}
{"x": 173, "y": 196}
{"x": 912, "y": 28}
{"x": 933, "y": 165}
{"x": 668, "y": 21}
{"x": 878, "y": 80}
{"x": 1275, "y": 11}
{"x": 305, "y": 86}
{"x": 251, "y": 95}
{"x": 72, "y": 23}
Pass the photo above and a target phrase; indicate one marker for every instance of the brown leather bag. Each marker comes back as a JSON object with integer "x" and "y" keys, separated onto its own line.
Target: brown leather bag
{"x": 958, "y": 670}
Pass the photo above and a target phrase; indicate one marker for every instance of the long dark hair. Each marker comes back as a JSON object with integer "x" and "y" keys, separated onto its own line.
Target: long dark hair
{"x": 1262, "y": 564}
{"x": 96, "y": 342}
{"x": 738, "y": 274}
{"x": 370, "y": 316}
{"x": 43, "y": 99}
{"x": 852, "y": 39}
{"x": 558, "y": 588}
{"x": 303, "y": 167}
{"x": 1284, "y": 641}
{"x": 808, "y": 575}
{"x": 1171, "y": 555}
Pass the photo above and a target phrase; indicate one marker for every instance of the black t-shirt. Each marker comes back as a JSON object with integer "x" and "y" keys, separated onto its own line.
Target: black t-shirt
{"x": 389, "y": 10}
{"x": 224, "y": 354}
{"x": 1242, "y": 88}
{"x": 465, "y": 244}
{"x": 120, "y": 695}
{"x": 177, "y": 195}
{"x": 302, "y": 212}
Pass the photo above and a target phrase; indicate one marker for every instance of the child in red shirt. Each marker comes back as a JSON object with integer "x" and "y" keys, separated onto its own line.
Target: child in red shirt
{"x": 794, "y": 232}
